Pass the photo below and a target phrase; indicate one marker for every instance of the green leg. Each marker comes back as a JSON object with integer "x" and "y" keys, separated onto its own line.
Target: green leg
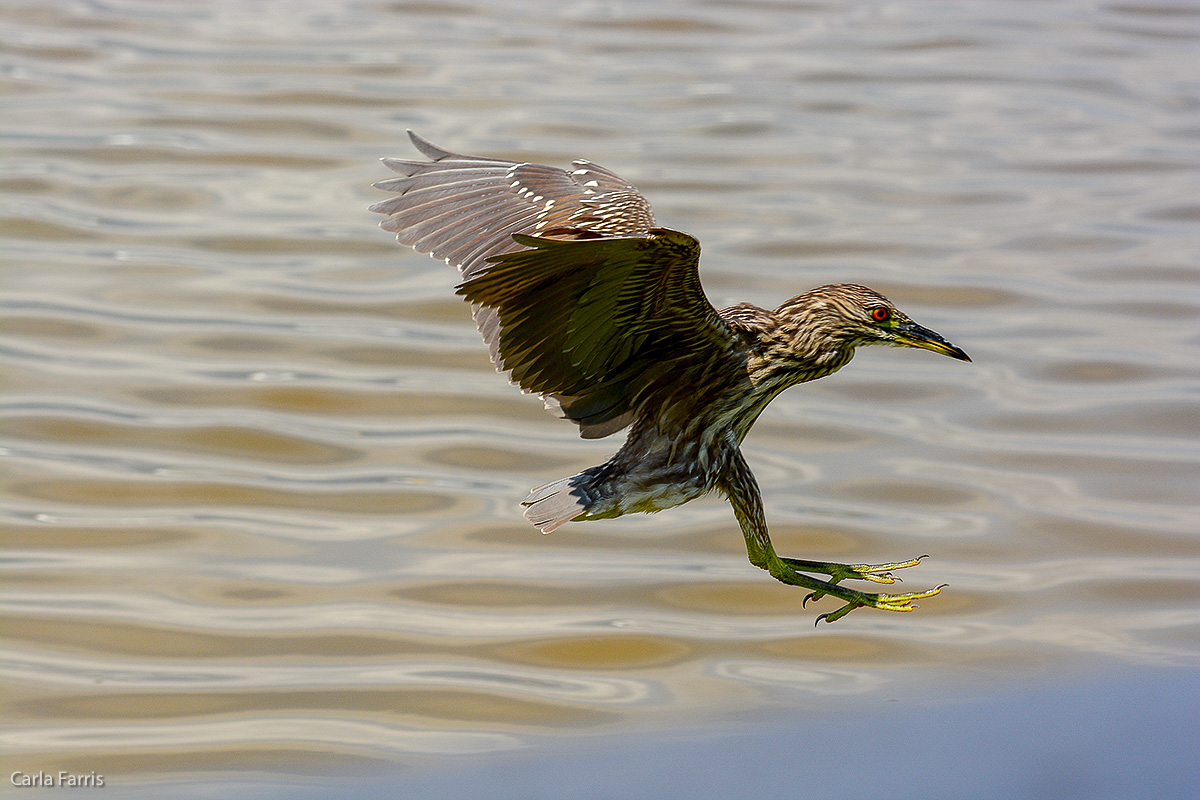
{"x": 737, "y": 483}
{"x": 792, "y": 572}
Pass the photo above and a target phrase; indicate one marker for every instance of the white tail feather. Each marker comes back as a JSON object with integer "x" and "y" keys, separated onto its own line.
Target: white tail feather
{"x": 553, "y": 504}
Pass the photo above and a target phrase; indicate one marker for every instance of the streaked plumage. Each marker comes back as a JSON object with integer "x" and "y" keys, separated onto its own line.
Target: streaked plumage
{"x": 584, "y": 301}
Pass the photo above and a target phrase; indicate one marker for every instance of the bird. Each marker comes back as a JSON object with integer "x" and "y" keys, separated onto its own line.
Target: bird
{"x": 585, "y": 301}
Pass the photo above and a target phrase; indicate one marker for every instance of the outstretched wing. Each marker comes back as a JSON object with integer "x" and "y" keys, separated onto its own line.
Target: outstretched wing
{"x": 577, "y": 294}
{"x": 605, "y": 327}
{"x": 466, "y": 209}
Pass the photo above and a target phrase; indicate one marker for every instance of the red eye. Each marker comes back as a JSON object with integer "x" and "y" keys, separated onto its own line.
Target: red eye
{"x": 881, "y": 314}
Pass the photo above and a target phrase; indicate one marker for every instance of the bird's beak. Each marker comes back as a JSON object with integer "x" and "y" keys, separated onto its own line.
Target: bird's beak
{"x": 910, "y": 334}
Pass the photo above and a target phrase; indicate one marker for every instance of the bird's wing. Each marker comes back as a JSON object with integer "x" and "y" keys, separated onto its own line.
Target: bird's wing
{"x": 597, "y": 313}
{"x": 465, "y": 209}
{"x": 605, "y": 327}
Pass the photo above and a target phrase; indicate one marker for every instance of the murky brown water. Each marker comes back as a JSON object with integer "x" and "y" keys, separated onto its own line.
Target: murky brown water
{"x": 261, "y": 482}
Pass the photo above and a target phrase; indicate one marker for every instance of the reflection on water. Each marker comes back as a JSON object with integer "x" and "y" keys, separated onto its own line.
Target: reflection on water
{"x": 261, "y": 480}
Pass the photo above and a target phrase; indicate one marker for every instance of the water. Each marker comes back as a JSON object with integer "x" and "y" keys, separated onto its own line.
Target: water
{"x": 261, "y": 482}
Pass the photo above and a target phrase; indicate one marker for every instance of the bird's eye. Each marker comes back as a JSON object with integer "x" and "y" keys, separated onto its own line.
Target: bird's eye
{"x": 880, "y": 314}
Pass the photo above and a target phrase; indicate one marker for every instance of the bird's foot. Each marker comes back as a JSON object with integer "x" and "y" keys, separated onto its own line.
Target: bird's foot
{"x": 790, "y": 571}
{"x": 877, "y": 573}
{"x": 885, "y": 602}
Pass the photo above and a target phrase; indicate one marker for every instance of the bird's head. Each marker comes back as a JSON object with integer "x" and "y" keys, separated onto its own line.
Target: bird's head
{"x": 844, "y": 316}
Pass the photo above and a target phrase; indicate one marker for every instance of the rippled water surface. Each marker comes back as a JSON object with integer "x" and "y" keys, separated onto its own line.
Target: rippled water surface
{"x": 261, "y": 482}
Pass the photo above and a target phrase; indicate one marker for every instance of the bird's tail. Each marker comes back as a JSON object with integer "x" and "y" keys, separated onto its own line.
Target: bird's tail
{"x": 553, "y": 504}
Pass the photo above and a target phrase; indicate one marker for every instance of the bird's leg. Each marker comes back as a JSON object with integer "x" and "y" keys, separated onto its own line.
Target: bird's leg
{"x": 739, "y": 486}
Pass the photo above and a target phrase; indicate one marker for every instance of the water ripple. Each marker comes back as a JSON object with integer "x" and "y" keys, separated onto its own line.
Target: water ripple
{"x": 261, "y": 483}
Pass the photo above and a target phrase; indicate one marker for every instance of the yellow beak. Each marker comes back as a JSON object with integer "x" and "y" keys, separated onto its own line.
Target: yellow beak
{"x": 910, "y": 334}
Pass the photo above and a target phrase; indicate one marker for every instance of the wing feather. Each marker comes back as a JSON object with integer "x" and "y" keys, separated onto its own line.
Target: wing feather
{"x": 580, "y": 298}
{"x": 439, "y": 199}
{"x": 605, "y": 327}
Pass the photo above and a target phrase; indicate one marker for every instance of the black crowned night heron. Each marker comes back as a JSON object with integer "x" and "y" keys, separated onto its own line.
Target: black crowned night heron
{"x": 584, "y": 301}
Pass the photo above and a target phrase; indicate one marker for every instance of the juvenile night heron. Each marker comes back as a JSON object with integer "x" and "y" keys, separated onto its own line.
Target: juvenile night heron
{"x": 584, "y": 301}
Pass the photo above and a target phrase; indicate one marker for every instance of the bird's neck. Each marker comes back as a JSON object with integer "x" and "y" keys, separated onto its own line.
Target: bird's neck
{"x": 788, "y": 352}
{"x": 778, "y": 355}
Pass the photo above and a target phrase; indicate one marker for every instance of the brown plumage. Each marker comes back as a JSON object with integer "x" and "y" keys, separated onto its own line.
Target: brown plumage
{"x": 584, "y": 301}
